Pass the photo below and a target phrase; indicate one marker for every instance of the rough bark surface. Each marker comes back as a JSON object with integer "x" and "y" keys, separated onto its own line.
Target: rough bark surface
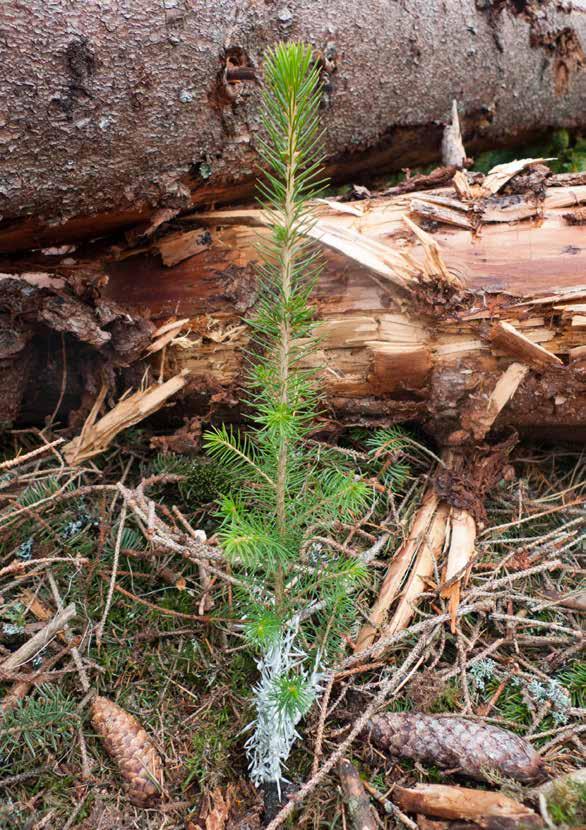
{"x": 112, "y": 109}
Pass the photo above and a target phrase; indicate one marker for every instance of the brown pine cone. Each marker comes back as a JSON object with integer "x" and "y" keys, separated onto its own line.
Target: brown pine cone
{"x": 470, "y": 746}
{"x": 130, "y": 747}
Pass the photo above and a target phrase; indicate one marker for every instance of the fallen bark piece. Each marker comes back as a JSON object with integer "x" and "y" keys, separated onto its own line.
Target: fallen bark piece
{"x": 128, "y": 744}
{"x": 95, "y": 436}
{"x": 362, "y": 816}
{"x": 486, "y": 809}
{"x": 502, "y": 173}
{"x": 472, "y": 747}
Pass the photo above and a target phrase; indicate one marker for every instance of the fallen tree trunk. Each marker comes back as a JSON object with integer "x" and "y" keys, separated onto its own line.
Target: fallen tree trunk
{"x": 113, "y": 112}
{"x": 473, "y": 325}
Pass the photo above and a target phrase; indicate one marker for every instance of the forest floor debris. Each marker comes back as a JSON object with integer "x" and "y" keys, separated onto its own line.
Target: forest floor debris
{"x": 177, "y": 664}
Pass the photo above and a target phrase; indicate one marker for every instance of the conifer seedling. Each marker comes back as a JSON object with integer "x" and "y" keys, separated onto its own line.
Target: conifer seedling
{"x": 285, "y": 491}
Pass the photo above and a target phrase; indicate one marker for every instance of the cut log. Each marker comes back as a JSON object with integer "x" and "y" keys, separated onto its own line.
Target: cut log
{"x": 116, "y": 112}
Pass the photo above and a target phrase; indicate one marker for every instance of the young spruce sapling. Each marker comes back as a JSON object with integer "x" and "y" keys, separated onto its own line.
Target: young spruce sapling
{"x": 285, "y": 491}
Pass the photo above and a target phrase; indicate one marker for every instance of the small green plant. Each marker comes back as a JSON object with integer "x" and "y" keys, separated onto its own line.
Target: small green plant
{"x": 211, "y": 746}
{"x": 567, "y": 805}
{"x": 284, "y": 493}
{"x": 44, "y": 722}
{"x": 203, "y": 479}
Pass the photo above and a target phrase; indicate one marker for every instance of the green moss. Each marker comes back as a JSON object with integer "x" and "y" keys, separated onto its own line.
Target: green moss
{"x": 210, "y": 760}
{"x": 449, "y": 700}
{"x": 567, "y": 806}
{"x": 204, "y": 479}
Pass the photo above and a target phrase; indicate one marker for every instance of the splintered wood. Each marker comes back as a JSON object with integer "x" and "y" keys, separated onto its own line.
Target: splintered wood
{"x": 97, "y": 435}
{"x": 408, "y": 310}
{"x": 460, "y": 536}
{"x": 165, "y": 335}
{"x": 506, "y": 337}
{"x": 482, "y": 420}
{"x": 415, "y": 557}
{"x": 486, "y": 809}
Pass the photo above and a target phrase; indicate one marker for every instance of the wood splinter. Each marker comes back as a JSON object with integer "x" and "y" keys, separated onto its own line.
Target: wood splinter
{"x": 485, "y": 809}
{"x": 508, "y": 338}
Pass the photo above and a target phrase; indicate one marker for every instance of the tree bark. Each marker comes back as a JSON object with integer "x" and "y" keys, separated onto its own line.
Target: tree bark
{"x": 114, "y": 110}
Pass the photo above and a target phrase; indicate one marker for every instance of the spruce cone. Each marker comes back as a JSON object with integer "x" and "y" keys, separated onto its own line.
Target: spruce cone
{"x": 130, "y": 747}
{"x": 472, "y": 747}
